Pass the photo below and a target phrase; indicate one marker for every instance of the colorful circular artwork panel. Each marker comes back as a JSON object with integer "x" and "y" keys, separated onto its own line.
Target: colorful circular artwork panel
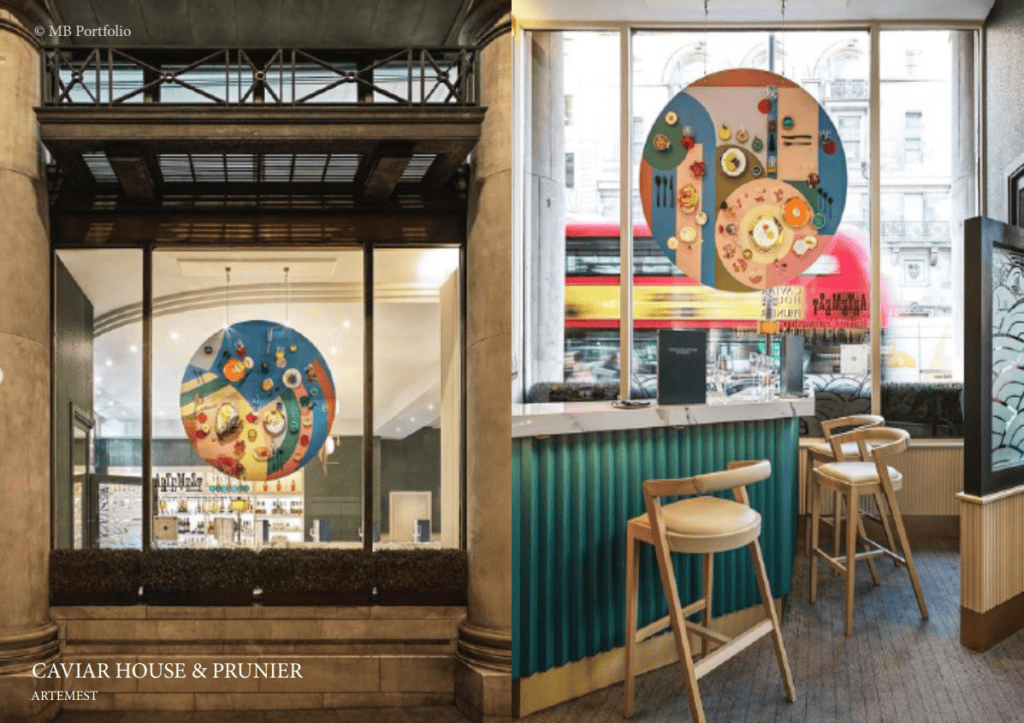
{"x": 257, "y": 400}
{"x": 743, "y": 180}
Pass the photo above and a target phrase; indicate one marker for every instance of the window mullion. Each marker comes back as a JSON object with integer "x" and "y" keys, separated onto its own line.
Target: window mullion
{"x": 625, "y": 212}
{"x": 368, "y": 396}
{"x": 147, "y": 398}
{"x": 874, "y": 106}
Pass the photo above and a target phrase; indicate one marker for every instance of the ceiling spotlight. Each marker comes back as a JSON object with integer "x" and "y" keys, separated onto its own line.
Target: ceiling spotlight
{"x": 99, "y": 379}
{"x": 430, "y": 407}
{"x": 334, "y": 350}
{"x": 174, "y": 336}
{"x": 412, "y": 419}
{"x": 109, "y": 362}
{"x": 133, "y": 349}
{"x": 346, "y": 324}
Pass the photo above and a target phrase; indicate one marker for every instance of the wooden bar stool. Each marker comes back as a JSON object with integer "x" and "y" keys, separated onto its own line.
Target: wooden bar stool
{"x": 869, "y": 474}
{"x": 704, "y": 526}
{"x": 823, "y": 453}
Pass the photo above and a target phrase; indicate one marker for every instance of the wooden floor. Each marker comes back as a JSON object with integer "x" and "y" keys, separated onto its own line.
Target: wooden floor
{"x": 350, "y": 715}
{"x": 895, "y": 669}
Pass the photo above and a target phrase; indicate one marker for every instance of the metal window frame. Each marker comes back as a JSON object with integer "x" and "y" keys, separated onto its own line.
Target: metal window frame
{"x": 874, "y": 28}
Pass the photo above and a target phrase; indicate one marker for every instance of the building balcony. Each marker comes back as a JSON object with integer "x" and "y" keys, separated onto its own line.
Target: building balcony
{"x": 900, "y": 233}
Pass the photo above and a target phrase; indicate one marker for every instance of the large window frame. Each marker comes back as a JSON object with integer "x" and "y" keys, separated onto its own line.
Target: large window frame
{"x": 626, "y": 33}
{"x": 368, "y": 248}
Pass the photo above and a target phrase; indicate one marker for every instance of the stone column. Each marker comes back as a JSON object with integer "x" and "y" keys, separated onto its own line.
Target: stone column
{"x": 483, "y": 678}
{"x": 27, "y": 635}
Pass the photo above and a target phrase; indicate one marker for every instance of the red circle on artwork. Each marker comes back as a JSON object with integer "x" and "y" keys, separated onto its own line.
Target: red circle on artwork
{"x": 304, "y": 440}
{"x": 764, "y": 105}
{"x": 829, "y": 147}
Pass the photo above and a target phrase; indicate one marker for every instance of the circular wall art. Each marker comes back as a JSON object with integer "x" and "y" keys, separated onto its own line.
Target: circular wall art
{"x": 257, "y": 400}
{"x": 743, "y": 180}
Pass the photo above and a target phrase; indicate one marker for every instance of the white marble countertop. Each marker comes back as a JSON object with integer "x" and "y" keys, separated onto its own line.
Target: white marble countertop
{"x": 530, "y": 420}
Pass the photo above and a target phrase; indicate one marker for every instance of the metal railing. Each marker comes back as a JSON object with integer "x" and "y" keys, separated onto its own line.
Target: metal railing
{"x": 284, "y": 77}
{"x": 915, "y": 231}
{"x": 847, "y": 89}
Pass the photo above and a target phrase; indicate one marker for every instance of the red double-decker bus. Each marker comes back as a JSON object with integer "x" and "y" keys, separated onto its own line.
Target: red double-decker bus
{"x": 831, "y": 295}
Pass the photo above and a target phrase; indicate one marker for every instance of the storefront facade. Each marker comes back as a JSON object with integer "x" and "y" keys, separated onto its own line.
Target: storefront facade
{"x": 339, "y": 214}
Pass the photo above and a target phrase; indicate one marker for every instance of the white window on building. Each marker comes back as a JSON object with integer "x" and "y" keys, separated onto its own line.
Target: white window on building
{"x": 849, "y": 134}
{"x": 912, "y": 153}
{"x": 913, "y": 57}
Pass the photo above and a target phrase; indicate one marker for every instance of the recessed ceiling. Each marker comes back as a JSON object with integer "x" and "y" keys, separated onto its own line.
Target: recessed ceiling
{"x": 748, "y": 11}
{"x": 265, "y": 23}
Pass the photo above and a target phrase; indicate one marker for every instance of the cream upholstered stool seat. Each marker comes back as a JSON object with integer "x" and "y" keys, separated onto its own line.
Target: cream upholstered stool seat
{"x": 824, "y": 452}
{"x": 853, "y": 480}
{"x": 706, "y": 524}
{"x": 699, "y": 525}
{"x": 859, "y": 473}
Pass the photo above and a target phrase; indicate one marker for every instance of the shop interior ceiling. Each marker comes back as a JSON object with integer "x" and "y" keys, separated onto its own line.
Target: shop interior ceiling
{"x": 749, "y": 11}
{"x": 323, "y": 300}
{"x": 268, "y": 23}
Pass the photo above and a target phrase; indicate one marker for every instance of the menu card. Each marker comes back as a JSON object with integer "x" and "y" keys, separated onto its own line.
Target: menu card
{"x": 682, "y": 366}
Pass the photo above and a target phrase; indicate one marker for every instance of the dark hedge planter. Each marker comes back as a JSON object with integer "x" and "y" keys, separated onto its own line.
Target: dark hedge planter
{"x": 283, "y": 577}
{"x": 422, "y": 577}
{"x": 95, "y": 577}
{"x": 349, "y": 577}
{"x": 314, "y": 577}
{"x": 198, "y": 577}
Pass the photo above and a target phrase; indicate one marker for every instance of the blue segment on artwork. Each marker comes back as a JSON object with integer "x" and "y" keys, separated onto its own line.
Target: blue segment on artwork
{"x": 664, "y": 214}
{"x": 832, "y": 173}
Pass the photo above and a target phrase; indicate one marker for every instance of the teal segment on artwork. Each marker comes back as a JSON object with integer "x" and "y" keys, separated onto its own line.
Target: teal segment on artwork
{"x": 572, "y": 496}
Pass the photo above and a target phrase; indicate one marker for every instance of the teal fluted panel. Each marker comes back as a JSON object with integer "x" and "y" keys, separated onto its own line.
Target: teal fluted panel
{"x": 572, "y": 496}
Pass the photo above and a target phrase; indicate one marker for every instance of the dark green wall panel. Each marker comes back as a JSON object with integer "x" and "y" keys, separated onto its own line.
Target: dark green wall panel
{"x": 572, "y": 496}
{"x": 73, "y": 374}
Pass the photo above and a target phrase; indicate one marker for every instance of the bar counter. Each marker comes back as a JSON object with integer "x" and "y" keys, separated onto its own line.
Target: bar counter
{"x": 577, "y": 474}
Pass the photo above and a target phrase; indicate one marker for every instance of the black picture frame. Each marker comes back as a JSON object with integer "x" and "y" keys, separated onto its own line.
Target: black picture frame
{"x": 981, "y": 237}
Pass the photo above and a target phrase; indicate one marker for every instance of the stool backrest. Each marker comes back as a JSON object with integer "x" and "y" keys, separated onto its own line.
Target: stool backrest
{"x": 848, "y": 423}
{"x": 852, "y": 421}
{"x": 878, "y": 443}
{"x": 739, "y": 474}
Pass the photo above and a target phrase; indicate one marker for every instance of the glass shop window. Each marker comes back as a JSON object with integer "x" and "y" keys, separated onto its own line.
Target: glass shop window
{"x": 97, "y": 495}
{"x": 417, "y": 388}
{"x": 257, "y": 398}
{"x": 825, "y": 296}
{"x": 922, "y": 221}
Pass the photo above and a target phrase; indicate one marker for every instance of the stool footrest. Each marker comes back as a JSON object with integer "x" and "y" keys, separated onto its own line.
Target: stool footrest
{"x": 666, "y": 622}
{"x": 835, "y": 564}
{"x": 708, "y": 633}
{"x": 720, "y": 655}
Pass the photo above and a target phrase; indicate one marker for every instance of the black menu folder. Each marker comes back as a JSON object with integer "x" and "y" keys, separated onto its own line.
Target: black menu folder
{"x": 682, "y": 366}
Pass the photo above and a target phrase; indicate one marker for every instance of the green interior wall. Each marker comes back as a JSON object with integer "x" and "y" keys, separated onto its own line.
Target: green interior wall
{"x": 73, "y": 383}
{"x": 412, "y": 463}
